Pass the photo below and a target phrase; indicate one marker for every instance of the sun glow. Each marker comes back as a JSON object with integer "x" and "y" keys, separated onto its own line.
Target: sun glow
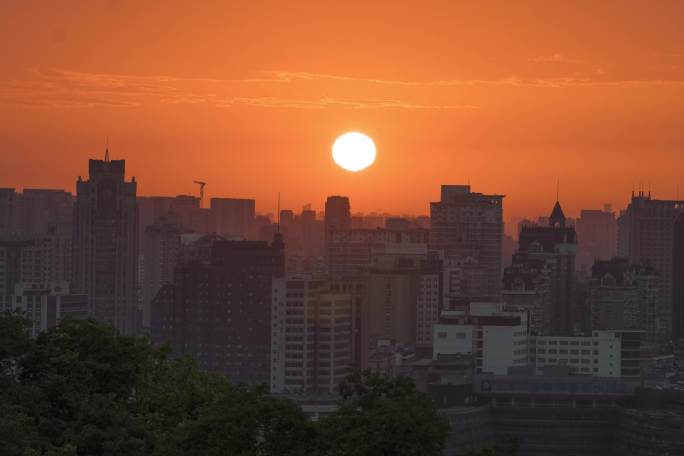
{"x": 354, "y": 151}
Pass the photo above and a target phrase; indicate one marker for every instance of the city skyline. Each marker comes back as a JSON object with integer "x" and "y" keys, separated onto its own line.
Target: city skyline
{"x": 593, "y": 105}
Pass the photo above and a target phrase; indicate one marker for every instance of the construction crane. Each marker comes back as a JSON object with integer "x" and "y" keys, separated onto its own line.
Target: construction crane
{"x": 201, "y": 186}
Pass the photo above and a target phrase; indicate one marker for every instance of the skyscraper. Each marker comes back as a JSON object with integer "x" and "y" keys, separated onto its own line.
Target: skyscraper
{"x": 312, "y": 335}
{"x": 623, "y": 296}
{"x": 162, "y": 250}
{"x": 551, "y": 251}
{"x": 234, "y": 217}
{"x": 218, "y": 309}
{"x": 650, "y": 233}
{"x": 105, "y": 244}
{"x": 596, "y": 237}
{"x": 468, "y": 228}
{"x": 337, "y": 214}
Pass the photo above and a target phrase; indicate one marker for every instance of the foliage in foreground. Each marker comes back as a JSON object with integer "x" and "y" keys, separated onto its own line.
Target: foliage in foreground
{"x": 82, "y": 389}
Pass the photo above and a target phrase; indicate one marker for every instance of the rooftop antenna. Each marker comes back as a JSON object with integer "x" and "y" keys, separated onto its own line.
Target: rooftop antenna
{"x": 557, "y": 189}
{"x": 106, "y": 158}
{"x": 278, "y": 216}
{"x": 201, "y": 190}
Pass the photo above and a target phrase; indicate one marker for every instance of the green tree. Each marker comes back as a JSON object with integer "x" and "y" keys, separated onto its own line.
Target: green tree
{"x": 378, "y": 415}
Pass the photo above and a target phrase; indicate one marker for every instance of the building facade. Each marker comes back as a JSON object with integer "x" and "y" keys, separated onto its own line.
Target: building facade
{"x": 218, "y": 309}
{"x": 312, "y": 344}
{"x": 467, "y": 228}
{"x": 648, "y": 231}
{"x": 105, "y": 244}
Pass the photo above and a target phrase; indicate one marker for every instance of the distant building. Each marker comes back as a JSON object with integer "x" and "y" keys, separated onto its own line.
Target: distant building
{"x": 527, "y": 286}
{"x": 41, "y": 260}
{"x": 162, "y": 253}
{"x": 218, "y": 309}
{"x": 349, "y": 251}
{"x": 45, "y": 305}
{"x": 624, "y": 296}
{"x": 234, "y": 217}
{"x": 552, "y": 249}
{"x": 312, "y": 343}
{"x": 337, "y": 213}
{"x": 304, "y": 237}
{"x": 105, "y": 244}
{"x": 651, "y": 232}
{"x": 596, "y": 237}
{"x": 33, "y": 212}
{"x": 497, "y": 339}
{"x": 468, "y": 228}
{"x": 603, "y": 354}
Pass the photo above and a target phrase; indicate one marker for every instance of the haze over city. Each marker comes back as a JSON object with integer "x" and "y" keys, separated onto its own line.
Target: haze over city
{"x": 249, "y": 97}
{"x": 341, "y": 228}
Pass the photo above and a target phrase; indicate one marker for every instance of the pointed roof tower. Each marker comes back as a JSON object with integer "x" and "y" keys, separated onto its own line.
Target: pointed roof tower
{"x": 106, "y": 157}
{"x": 557, "y": 218}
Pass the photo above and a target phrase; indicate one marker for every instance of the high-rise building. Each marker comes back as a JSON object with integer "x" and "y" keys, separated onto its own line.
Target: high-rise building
{"x": 678, "y": 282}
{"x": 649, "y": 233}
{"x": 218, "y": 309}
{"x": 312, "y": 335}
{"x": 8, "y": 211}
{"x": 20, "y": 262}
{"x": 596, "y": 237}
{"x": 468, "y": 228}
{"x": 162, "y": 250}
{"x": 349, "y": 251}
{"x": 42, "y": 209}
{"x": 105, "y": 244}
{"x": 624, "y": 296}
{"x": 234, "y": 217}
{"x": 337, "y": 213}
{"x": 527, "y": 286}
{"x": 33, "y": 212}
{"x": 555, "y": 246}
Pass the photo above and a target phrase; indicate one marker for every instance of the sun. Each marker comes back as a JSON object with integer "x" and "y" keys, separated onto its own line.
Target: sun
{"x": 354, "y": 151}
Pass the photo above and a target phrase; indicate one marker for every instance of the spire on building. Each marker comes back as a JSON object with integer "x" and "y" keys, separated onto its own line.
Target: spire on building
{"x": 557, "y": 218}
{"x": 106, "y": 157}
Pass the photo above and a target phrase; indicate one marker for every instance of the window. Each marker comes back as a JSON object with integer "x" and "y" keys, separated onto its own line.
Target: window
{"x": 442, "y": 335}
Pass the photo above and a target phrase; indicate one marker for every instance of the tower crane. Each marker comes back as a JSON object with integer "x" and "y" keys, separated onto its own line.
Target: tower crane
{"x": 201, "y": 190}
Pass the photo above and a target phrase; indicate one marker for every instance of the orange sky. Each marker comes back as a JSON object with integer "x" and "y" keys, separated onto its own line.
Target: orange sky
{"x": 249, "y": 96}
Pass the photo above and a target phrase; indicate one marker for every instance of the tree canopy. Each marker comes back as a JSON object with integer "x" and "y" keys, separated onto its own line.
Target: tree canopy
{"x": 82, "y": 389}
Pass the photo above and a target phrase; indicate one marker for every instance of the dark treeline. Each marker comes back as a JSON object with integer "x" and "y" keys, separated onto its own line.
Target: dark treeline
{"x": 82, "y": 389}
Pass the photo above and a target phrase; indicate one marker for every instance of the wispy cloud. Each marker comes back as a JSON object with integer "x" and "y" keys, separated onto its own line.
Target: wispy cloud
{"x": 274, "y": 102}
{"x": 555, "y": 58}
{"x": 270, "y": 89}
{"x": 513, "y": 81}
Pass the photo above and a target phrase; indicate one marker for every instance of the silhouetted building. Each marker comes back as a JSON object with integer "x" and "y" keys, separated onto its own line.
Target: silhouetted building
{"x": 33, "y": 212}
{"x": 624, "y": 296}
{"x": 349, "y": 251}
{"x": 468, "y": 228}
{"x": 527, "y": 286}
{"x": 234, "y": 217}
{"x": 337, "y": 216}
{"x": 105, "y": 244}
{"x": 553, "y": 248}
{"x": 219, "y": 308}
{"x": 162, "y": 251}
{"x": 650, "y": 233}
{"x": 596, "y": 237}
{"x": 304, "y": 241}
{"x": 312, "y": 344}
